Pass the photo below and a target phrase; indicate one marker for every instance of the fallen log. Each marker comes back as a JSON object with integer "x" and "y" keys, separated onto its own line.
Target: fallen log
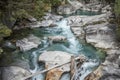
{"x": 40, "y": 72}
{"x": 72, "y": 67}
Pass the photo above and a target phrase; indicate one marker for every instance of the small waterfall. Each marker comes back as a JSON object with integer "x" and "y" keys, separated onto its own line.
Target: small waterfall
{"x": 34, "y": 60}
{"x": 75, "y": 47}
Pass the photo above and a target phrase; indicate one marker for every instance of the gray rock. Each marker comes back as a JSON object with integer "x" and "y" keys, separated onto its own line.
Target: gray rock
{"x": 87, "y": 20}
{"x": 28, "y": 43}
{"x": 100, "y": 36}
{"x": 14, "y": 73}
{"x": 76, "y": 4}
{"x": 52, "y": 58}
{"x": 111, "y": 66}
{"x": 57, "y": 38}
{"x": 49, "y": 21}
{"x": 65, "y": 9}
{"x": 53, "y": 17}
{"x": 9, "y": 45}
{"x": 78, "y": 32}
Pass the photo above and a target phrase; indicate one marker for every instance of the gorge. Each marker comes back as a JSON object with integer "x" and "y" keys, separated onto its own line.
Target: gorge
{"x": 77, "y": 29}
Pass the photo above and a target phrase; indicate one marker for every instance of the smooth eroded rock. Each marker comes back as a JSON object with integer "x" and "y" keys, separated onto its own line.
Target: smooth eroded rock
{"x": 28, "y": 43}
{"x": 100, "y": 36}
{"x": 53, "y": 58}
{"x": 14, "y": 73}
{"x": 57, "y": 38}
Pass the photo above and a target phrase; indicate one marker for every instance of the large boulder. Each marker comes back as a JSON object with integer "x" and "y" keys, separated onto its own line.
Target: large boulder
{"x": 53, "y": 58}
{"x": 14, "y": 73}
{"x": 100, "y": 36}
{"x": 28, "y": 43}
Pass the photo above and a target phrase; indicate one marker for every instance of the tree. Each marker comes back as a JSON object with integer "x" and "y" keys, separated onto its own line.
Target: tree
{"x": 13, "y": 9}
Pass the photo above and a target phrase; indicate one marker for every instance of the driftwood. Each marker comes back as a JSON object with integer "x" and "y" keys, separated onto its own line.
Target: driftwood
{"x": 72, "y": 68}
{"x": 56, "y": 66}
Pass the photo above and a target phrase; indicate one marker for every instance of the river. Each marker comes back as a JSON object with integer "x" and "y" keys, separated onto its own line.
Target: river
{"x": 72, "y": 46}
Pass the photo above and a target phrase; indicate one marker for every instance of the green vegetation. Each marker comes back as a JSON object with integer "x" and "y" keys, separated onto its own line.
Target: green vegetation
{"x": 117, "y": 13}
{"x": 4, "y": 31}
{"x": 117, "y": 7}
{"x": 10, "y": 10}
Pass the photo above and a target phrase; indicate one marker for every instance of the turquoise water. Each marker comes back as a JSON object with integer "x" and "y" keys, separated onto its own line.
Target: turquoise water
{"x": 81, "y": 12}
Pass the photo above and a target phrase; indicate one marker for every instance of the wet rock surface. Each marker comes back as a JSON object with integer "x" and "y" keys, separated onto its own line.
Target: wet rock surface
{"x": 28, "y": 43}
{"x": 55, "y": 39}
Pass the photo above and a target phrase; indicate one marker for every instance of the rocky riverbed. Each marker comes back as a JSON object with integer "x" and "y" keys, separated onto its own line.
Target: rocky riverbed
{"x": 61, "y": 40}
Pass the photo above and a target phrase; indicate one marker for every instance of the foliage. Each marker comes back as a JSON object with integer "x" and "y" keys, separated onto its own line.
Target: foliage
{"x": 4, "y": 31}
{"x": 24, "y": 8}
{"x": 117, "y": 13}
{"x": 117, "y": 7}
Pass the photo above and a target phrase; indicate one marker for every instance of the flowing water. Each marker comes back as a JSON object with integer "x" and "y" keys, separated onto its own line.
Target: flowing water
{"x": 72, "y": 46}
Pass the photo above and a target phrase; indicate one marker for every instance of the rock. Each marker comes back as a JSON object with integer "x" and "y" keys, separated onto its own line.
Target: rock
{"x": 87, "y": 20}
{"x": 110, "y": 69}
{"x": 57, "y": 38}
{"x": 53, "y": 17}
{"x": 28, "y": 43}
{"x": 52, "y": 58}
{"x": 74, "y": 20}
{"x": 92, "y": 5}
{"x": 21, "y": 63}
{"x": 106, "y": 9}
{"x": 54, "y": 74}
{"x": 76, "y": 4}
{"x": 100, "y": 36}
{"x": 9, "y": 45}
{"x": 44, "y": 23}
{"x": 65, "y": 9}
{"x": 32, "y": 19}
{"x": 78, "y": 32}
{"x": 111, "y": 66}
{"x": 49, "y": 20}
{"x": 95, "y": 75}
{"x": 14, "y": 73}
{"x": 47, "y": 23}
{"x": 34, "y": 24}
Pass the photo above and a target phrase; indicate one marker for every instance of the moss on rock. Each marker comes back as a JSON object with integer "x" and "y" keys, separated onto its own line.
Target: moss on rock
{"x": 4, "y": 31}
